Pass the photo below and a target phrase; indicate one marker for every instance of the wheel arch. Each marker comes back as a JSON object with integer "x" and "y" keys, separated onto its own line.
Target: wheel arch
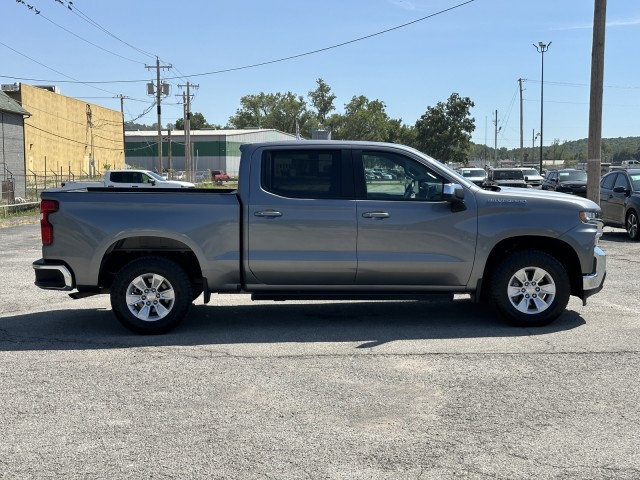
{"x": 125, "y": 250}
{"x": 632, "y": 210}
{"x": 558, "y": 249}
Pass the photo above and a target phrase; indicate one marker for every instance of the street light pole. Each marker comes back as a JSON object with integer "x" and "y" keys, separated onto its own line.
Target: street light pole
{"x": 541, "y": 48}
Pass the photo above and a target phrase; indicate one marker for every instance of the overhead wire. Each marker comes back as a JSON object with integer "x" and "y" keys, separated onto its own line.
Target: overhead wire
{"x": 39, "y": 13}
{"x": 270, "y": 62}
{"x": 54, "y": 70}
{"x": 76, "y": 11}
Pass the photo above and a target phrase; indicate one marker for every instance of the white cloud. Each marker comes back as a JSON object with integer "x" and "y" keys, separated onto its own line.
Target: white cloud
{"x": 405, "y": 4}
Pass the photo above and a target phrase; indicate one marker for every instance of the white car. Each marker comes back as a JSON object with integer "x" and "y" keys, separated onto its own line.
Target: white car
{"x": 532, "y": 177}
{"x": 474, "y": 174}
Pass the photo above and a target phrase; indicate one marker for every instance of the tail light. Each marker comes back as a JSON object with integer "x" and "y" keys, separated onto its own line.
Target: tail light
{"x": 46, "y": 229}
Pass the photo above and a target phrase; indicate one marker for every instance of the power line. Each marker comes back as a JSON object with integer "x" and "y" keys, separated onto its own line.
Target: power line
{"x": 72, "y": 140}
{"x": 269, "y": 62}
{"x": 76, "y": 11}
{"x": 53, "y": 70}
{"x": 39, "y": 13}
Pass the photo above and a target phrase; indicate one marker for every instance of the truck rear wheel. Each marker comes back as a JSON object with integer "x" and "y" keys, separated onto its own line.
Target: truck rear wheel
{"x": 530, "y": 288}
{"x": 151, "y": 295}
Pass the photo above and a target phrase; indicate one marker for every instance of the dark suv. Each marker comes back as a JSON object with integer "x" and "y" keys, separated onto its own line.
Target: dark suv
{"x": 505, "y": 177}
{"x": 620, "y": 200}
{"x": 567, "y": 180}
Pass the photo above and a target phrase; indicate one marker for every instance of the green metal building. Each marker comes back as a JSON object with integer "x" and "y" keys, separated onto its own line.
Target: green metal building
{"x": 211, "y": 149}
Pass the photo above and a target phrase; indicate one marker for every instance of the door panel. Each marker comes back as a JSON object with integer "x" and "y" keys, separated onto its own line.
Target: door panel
{"x": 407, "y": 234}
{"x": 301, "y": 225}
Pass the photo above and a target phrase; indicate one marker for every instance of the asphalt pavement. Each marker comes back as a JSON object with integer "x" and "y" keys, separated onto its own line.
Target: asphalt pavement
{"x": 318, "y": 390}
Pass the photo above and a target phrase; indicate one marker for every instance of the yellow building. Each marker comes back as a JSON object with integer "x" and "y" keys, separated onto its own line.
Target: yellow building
{"x": 65, "y": 137}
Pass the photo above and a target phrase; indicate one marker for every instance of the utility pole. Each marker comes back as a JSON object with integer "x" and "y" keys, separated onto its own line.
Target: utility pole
{"x": 161, "y": 89}
{"x": 521, "y": 127}
{"x": 169, "y": 158}
{"x": 594, "y": 144}
{"x": 122, "y": 97}
{"x": 533, "y": 144}
{"x": 495, "y": 142}
{"x": 188, "y": 157}
{"x": 541, "y": 48}
{"x": 92, "y": 161}
{"x": 187, "y": 137}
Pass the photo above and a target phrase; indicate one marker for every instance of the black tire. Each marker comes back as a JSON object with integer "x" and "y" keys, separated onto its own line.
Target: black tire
{"x": 631, "y": 225}
{"x": 530, "y": 288}
{"x": 151, "y": 295}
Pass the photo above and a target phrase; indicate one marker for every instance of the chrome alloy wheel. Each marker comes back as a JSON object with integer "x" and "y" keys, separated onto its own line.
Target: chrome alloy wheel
{"x": 531, "y": 290}
{"x": 150, "y": 297}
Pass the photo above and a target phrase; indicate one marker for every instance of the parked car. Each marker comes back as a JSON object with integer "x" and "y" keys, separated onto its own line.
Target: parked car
{"x": 624, "y": 165}
{"x": 620, "y": 200}
{"x": 567, "y": 180}
{"x": 129, "y": 178}
{"x": 505, "y": 177}
{"x": 219, "y": 176}
{"x": 473, "y": 174}
{"x": 532, "y": 177}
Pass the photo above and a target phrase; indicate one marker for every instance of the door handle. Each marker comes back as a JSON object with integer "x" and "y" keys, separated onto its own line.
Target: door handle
{"x": 376, "y": 215}
{"x": 268, "y": 213}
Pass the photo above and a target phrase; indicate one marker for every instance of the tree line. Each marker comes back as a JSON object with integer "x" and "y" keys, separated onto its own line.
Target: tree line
{"x": 571, "y": 152}
{"x": 443, "y": 131}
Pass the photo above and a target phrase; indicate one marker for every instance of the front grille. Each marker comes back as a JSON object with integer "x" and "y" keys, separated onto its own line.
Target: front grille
{"x": 508, "y": 184}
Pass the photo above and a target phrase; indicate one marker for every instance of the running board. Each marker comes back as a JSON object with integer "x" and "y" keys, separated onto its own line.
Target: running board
{"x": 282, "y": 296}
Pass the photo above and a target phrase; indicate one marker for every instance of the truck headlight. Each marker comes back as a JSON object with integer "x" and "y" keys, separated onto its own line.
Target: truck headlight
{"x": 589, "y": 216}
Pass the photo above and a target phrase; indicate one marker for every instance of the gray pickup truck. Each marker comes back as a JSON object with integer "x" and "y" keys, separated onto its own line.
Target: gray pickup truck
{"x": 310, "y": 220}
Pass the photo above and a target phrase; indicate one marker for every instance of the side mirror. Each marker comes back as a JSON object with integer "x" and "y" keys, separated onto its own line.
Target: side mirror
{"x": 619, "y": 189}
{"x": 153, "y": 183}
{"x": 454, "y": 193}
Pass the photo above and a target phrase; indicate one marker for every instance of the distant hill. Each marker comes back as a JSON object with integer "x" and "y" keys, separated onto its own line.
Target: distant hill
{"x": 614, "y": 150}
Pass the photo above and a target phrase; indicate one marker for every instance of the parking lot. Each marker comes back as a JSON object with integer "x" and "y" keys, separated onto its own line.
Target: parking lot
{"x": 354, "y": 390}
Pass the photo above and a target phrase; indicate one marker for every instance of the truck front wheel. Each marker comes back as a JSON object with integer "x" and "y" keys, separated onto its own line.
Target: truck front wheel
{"x": 530, "y": 288}
{"x": 151, "y": 295}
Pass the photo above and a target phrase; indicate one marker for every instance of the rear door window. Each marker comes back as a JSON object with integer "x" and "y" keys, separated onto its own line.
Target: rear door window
{"x": 306, "y": 174}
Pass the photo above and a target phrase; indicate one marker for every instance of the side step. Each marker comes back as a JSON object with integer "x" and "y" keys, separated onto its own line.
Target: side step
{"x": 422, "y": 296}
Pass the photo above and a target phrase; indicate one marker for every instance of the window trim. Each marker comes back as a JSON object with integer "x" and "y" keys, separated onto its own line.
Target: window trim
{"x": 346, "y": 173}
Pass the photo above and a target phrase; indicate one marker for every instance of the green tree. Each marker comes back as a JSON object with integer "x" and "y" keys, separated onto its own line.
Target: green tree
{"x": 363, "y": 119}
{"x": 132, "y": 126}
{"x": 322, "y": 100}
{"x": 444, "y": 131}
{"x": 281, "y": 111}
{"x": 198, "y": 122}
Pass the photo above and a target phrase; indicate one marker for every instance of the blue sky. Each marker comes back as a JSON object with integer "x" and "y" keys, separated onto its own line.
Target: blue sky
{"x": 477, "y": 48}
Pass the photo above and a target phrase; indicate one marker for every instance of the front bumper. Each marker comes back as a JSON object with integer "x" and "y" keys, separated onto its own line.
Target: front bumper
{"x": 592, "y": 283}
{"x": 52, "y": 275}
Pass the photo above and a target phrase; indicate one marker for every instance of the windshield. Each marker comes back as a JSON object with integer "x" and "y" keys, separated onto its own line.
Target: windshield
{"x": 530, "y": 171}
{"x": 156, "y": 176}
{"x": 572, "y": 175}
{"x": 455, "y": 177}
{"x": 473, "y": 172}
{"x": 508, "y": 175}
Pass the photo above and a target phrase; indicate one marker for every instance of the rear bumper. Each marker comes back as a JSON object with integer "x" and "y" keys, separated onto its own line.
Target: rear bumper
{"x": 52, "y": 275}
{"x": 593, "y": 282}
